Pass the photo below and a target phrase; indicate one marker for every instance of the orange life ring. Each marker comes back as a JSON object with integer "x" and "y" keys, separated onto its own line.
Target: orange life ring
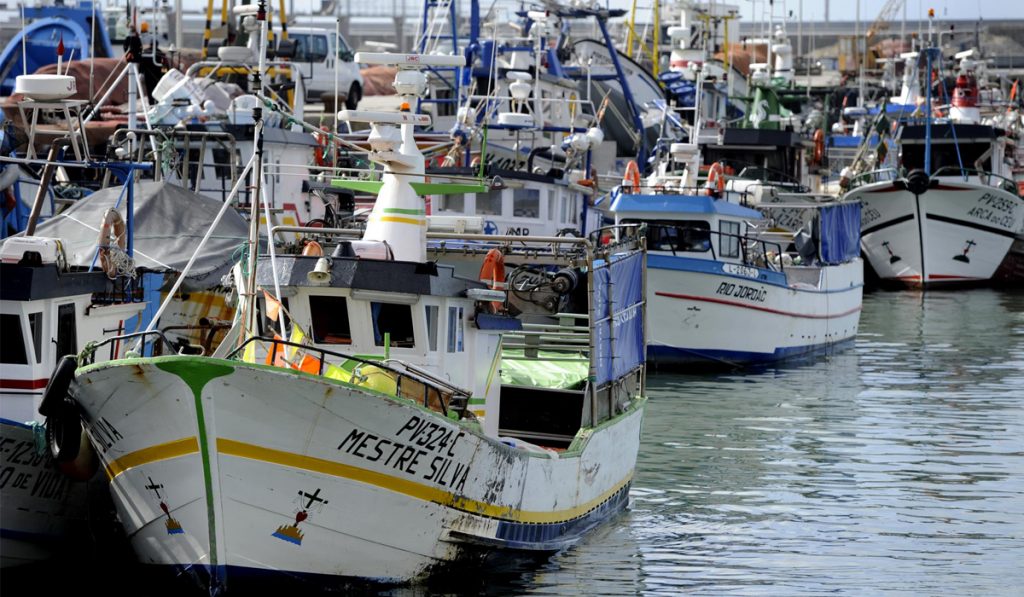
{"x": 715, "y": 183}
{"x": 632, "y": 176}
{"x": 112, "y": 222}
{"x": 819, "y": 148}
{"x": 492, "y": 272}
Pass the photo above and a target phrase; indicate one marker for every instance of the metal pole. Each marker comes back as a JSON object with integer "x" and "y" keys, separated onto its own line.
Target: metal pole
{"x": 44, "y": 185}
{"x": 928, "y": 115}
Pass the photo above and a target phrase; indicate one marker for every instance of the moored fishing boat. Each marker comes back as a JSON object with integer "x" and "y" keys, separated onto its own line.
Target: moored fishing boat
{"x": 726, "y": 288}
{"x": 379, "y": 442}
{"x": 49, "y": 309}
{"x": 955, "y": 216}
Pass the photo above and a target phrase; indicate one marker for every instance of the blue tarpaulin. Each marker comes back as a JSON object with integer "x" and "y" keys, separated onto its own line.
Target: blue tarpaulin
{"x": 619, "y": 316}
{"x": 840, "y": 232}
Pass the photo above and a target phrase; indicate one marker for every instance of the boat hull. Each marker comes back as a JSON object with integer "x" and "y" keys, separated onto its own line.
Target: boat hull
{"x": 707, "y": 312}
{"x": 956, "y": 233}
{"x": 219, "y": 467}
{"x": 43, "y": 512}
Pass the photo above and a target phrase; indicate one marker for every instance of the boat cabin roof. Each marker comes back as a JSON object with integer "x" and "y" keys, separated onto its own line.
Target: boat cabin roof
{"x": 367, "y": 274}
{"x": 944, "y": 133}
{"x": 32, "y": 283}
{"x": 669, "y": 204}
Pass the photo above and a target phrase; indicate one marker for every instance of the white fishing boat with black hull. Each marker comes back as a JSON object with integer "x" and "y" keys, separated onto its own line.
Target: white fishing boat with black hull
{"x": 388, "y": 437}
{"x": 955, "y": 217}
{"x": 954, "y": 227}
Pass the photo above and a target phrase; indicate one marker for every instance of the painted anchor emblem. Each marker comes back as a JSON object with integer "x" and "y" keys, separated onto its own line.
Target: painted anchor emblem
{"x": 963, "y": 256}
{"x": 893, "y": 258}
{"x": 291, "y": 532}
{"x": 173, "y": 526}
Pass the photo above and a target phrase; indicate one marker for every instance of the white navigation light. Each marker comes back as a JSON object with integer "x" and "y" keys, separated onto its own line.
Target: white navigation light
{"x": 384, "y": 117}
{"x": 409, "y": 60}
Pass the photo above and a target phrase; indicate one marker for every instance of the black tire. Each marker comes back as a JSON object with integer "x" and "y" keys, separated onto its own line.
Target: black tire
{"x": 64, "y": 432}
{"x": 57, "y": 388}
{"x": 355, "y": 93}
{"x": 918, "y": 182}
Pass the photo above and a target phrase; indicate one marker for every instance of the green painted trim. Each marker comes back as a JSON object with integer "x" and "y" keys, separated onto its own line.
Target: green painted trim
{"x": 196, "y": 376}
{"x": 422, "y": 188}
{"x": 408, "y": 212}
{"x": 477, "y": 401}
{"x": 446, "y": 188}
{"x": 583, "y": 435}
{"x": 363, "y": 186}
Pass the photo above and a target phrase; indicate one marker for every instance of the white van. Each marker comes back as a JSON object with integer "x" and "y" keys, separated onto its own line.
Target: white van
{"x": 317, "y": 51}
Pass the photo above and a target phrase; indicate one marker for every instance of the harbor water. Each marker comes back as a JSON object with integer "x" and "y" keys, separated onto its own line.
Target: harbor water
{"x": 896, "y": 467}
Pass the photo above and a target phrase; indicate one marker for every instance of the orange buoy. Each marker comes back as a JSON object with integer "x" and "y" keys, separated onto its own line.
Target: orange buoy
{"x": 312, "y": 249}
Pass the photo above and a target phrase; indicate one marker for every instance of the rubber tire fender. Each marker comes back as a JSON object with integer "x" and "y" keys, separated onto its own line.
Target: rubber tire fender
{"x": 57, "y": 388}
{"x": 918, "y": 182}
{"x": 64, "y": 431}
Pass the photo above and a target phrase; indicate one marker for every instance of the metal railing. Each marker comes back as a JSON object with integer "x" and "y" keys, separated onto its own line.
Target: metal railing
{"x": 446, "y": 396}
{"x": 752, "y": 250}
{"x": 985, "y": 177}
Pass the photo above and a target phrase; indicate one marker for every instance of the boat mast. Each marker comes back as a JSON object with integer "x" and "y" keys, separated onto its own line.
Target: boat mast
{"x": 930, "y": 52}
{"x": 257, "y": 174}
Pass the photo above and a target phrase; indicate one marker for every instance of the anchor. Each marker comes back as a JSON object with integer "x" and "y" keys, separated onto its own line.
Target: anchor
{"x": 963, "y": 256}
{"x": 893, "y": 258}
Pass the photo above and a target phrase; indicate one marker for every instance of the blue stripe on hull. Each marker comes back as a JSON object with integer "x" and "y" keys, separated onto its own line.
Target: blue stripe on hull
{"x": 515, "y": 545}
{"x": 674, "y": 357}
{"x": 558, "y": 535}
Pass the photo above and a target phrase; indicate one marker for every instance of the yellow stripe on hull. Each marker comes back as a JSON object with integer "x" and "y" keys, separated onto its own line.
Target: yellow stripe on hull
{"x": 174, "y": 449}
{"x": 407, "y": 487}
{"x": 397, "y": 220}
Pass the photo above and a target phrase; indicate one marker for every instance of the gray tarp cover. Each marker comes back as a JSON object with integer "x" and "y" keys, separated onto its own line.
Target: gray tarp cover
{"x": 169, "y": 223}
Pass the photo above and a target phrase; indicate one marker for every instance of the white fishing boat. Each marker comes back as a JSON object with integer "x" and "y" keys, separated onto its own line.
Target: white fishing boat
{"x": 391, "y": 435}
{"x": 726, "y": 285}
{"x": 47, "y": 310}
{"x": 955, "y": 216}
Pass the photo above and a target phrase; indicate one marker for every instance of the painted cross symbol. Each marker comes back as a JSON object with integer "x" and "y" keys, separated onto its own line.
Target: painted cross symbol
{"x": 153, "y": 486}
{"x": 314, "y": 497}
{"x": 967, "y": 249}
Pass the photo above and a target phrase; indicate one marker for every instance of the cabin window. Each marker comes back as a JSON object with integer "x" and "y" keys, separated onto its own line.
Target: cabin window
{"x": 329, "y": 316}
{"x": 12, "y": 341}
{"x": 526, "y": 203}
{"x": 389, "y": 318}
{"x": 455, "y": 331}
{"x": 690, "y": 236}
{"x": 489, "y": 204}
{"x": 552, "y": 206}
{"x": 729, "y": 239}
{"x": 564, "y": 203}
{"x": 431, "y": 311}
{"x": 35, "y": 324}
{"x": 268, "y": 326}
{"x": 453, "y": 203}
{"x": 67, "y": 333}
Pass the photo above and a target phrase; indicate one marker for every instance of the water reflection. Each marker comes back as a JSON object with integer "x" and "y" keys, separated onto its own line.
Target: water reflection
{"x": 893, "y": 467}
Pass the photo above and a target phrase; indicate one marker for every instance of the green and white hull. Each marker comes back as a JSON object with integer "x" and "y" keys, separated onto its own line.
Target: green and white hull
{"x": 234, "y": 468}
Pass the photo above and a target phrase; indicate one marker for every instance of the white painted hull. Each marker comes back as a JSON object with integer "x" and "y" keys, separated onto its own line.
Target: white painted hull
{"x": 957, "y": 232}
{"x": 267, "y": 469}
{"x": 41, "y": 509}
{"x": 699, "y": 312}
